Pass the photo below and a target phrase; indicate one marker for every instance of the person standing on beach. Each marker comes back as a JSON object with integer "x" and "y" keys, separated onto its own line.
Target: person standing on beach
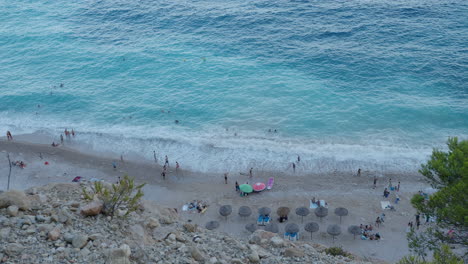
{"x": 73, "y": 132}
{"x": 121, "y": 158}
{"x": 167, "y": 161}
{"x": 298, "y": 158}
{"x": 294, "y": 167}
{"x": 163, "y": 174}
{"x": 375, "y": 182}
{"x": 176, "y": 166}
{"x": 114, "y": 164}
{"x": 61, "y": 138}
{"x": 398, "y": 187}
{"x": 154, "y": 156}
{"x": 237, "y": 187}
{"x": 251, "y": 172}
{"x": 359, "y": 172}
{"x": 390, "y": 183}
{"x": 67, "y": 134}
{"x": 9, "y": 137}
{"x": 225, "y": 177}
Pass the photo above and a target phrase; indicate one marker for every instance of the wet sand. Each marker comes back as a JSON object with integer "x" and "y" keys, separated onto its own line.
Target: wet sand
{"x": 292, "y": 190}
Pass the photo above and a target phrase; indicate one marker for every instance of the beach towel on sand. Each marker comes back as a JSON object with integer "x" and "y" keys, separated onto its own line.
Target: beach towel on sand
{"x": 385, "y": 204}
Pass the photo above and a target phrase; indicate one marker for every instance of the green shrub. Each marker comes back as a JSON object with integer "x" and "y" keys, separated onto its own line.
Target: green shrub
{"x": 123, "y": 195}
{"x": 337, "y": 251}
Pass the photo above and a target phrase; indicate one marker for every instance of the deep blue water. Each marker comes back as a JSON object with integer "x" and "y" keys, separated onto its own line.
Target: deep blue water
{"x": 347, "y": 84}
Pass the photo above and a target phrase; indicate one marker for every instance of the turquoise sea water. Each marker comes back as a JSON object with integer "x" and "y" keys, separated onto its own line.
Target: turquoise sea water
{"x": 347, "y": 84}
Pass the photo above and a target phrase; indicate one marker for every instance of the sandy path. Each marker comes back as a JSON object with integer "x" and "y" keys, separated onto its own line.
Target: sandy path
{"x": 338, "y": 189}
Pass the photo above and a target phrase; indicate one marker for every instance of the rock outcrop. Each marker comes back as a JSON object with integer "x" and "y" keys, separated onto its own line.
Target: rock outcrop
{"x": 51, "y": 224}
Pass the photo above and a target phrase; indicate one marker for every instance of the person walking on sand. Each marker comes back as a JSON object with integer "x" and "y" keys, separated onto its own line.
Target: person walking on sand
{"x": 61, "y": 138}
{"x": 375, "y": 182}
{"x": 298, "y": 158}
{"x": 294, "y": 167}
{"x": 177, "y": 166}
{"x": 359, "y": 172}
{"x": 154, "y": 156}
{"x": 9, "y": 137}
{"x": 167, "y": 161}
{"x": 237, "y": 187}
{"x": 225, "y": 177}
{"x": 163, "y": 174}
{"x": 390, "y": 183}
{"x": 398, "y": 187}
{"x": 251, "y": 172}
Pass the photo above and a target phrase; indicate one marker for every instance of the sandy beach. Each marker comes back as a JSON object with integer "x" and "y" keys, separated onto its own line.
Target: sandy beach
{"x": 291, "y": 190}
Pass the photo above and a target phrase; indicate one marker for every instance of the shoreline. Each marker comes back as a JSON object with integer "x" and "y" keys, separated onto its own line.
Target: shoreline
{"x": 338, "y": 189}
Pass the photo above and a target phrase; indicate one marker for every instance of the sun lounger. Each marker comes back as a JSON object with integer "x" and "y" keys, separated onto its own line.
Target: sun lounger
{"x": 312, "y": 205}
{"x": 294, "y": 237}
{"x": 260, "y": 220}
{"x": 385, "y": 205}
{"x": 287, "y": 235}
{"x": 266, "y": 220}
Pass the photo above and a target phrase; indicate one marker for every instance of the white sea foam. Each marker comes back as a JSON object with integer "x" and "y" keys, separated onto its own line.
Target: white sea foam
{"x": 217, "y": 150}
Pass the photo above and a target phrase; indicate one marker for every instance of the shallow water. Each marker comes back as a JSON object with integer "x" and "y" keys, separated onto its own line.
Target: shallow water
{"x": 347, "y": 84}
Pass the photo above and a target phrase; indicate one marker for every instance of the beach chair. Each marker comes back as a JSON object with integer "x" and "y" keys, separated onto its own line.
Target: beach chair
{"x": 260, "y": 220}
{"x": 266, "y": 219}
{"x": 294, "y": 237}
{"x": 287, "y": 235}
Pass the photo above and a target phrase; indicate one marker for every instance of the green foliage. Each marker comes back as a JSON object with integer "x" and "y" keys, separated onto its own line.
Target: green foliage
{"x": 411, "y": 260}
{"x": 124, "y": 194}
{"x": 446, "y": 168}
{"x": 442, "y": 255}
{"x": 337, "y": 251}
{"x": 420, "y": 243}
{"x": 448, "y": 172}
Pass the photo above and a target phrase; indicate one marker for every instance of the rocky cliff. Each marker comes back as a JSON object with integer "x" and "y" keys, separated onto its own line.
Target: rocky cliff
{"x": 49, "y": 225}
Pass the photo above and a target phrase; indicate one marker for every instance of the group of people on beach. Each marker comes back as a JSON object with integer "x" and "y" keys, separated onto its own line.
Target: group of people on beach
{"x": 166, "y": 165}
{"x": 67, "y": 133}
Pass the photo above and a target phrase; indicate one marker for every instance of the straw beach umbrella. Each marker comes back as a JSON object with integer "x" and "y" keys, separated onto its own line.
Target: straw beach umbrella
{"x": 282, "y": 211}
{"x": 225, "y": 210}
{"x": 321, "y": 212}
{"x": 251, "y": 227}
{"x": 311, "y": 227}
{"x": 355, "y": 230}
{"x": 291, "y": 228}
{"x": 272, "y": 227}
{"x": 340, "y": 211}
{"x": 245, "y": 211}
{"x": 264, "y": 211}
{"x": 212, "y": 225}
{"x": 334, "y": 230}
{"x": 302, "y": 211}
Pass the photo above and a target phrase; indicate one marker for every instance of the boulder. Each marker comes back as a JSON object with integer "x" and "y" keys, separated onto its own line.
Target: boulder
{"x": 79, "y": 241}
{"x": 91, "y": 209}
{"x": 253, "y": 257}
{"x": 152, "y": 223}
{"x": 119, "y": 255}
{"x": 68, "y": 237}
{"x": 14, "y": 197}
{"x": 12, "y": 210}
{"x": 5, "y": 233}
{"x": 54, "y": 234}
{"x": 293, "y": 252}
{"x": 196, "y": 254}
{"x": 277, "y": 241}
{"x": 190, "y": 227}
{"x": 13, "y": 249}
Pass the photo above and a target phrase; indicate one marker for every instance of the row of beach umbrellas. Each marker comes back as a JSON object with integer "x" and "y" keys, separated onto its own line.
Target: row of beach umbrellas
{"x": 245, "y": 211}
{"x": 312, "y": 227}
